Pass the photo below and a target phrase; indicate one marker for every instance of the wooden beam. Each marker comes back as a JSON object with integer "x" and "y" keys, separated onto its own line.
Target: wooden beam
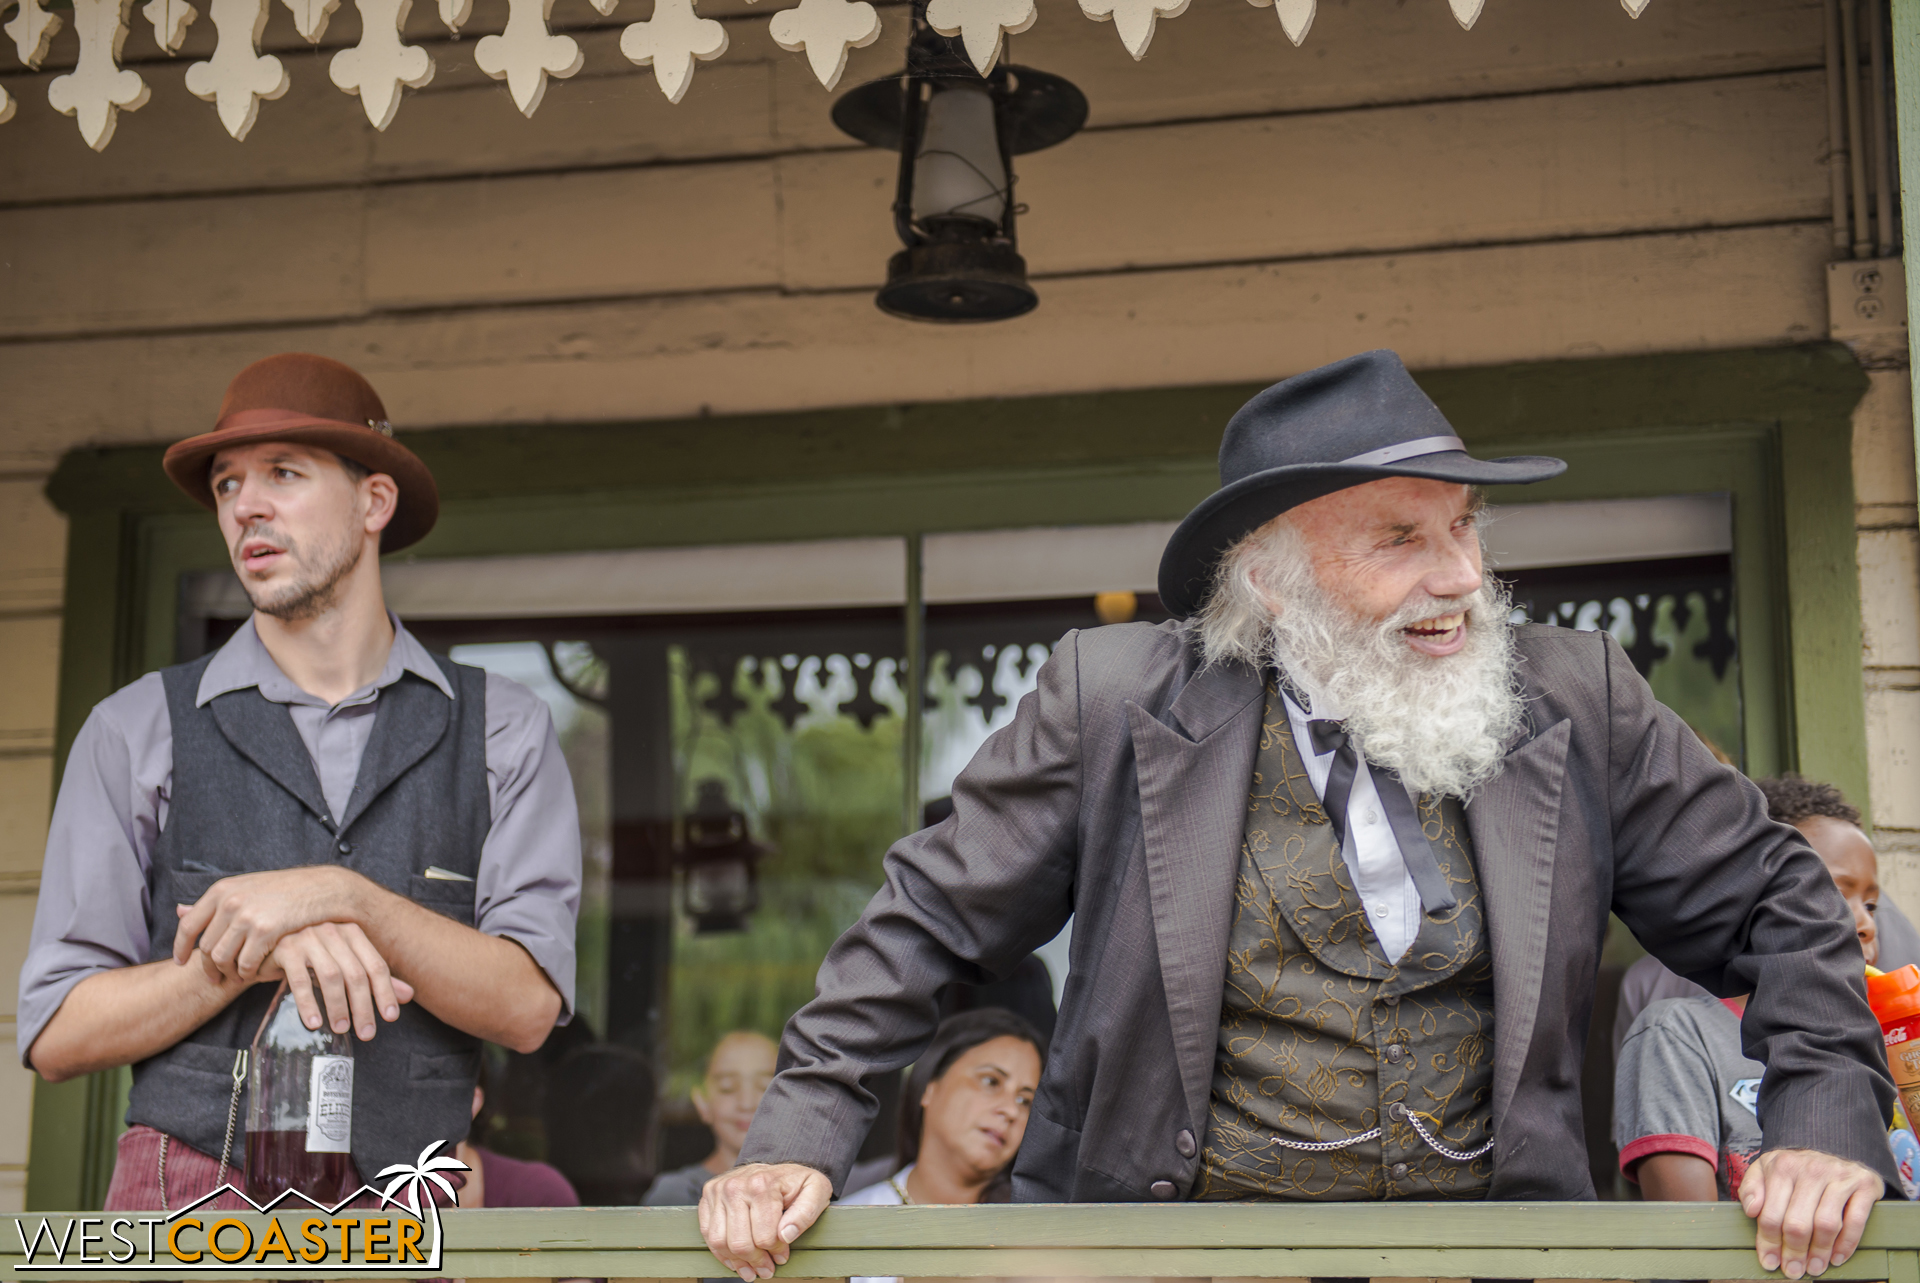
{"x": 1523, "y": 1240}
{"x": 757, "y": 352}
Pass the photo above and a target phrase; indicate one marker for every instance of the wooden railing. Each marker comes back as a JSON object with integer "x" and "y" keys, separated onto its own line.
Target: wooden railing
{"x": 1188, "y": 1241}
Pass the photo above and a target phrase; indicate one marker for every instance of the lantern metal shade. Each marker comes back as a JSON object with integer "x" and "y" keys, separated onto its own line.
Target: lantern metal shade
{"x": 956, "y": 133}
{"x": 1042, "y": 109}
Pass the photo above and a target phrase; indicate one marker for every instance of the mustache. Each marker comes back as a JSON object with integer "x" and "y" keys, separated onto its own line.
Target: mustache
{"x": 1423, "y": 606}
{"x": 262, "y": 530}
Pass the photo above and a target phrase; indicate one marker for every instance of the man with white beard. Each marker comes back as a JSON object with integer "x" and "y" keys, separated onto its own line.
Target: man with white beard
{"x": 1339, "y": 846}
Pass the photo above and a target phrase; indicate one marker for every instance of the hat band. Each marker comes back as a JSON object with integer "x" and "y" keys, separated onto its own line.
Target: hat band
{"x": 1407, "y": 450}
{"x": 273, "y": 418}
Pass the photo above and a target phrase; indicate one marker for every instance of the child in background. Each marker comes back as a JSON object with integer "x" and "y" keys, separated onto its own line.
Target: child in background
{"x": 1686, "y": 1115}
{"x": 738, "y": 1071}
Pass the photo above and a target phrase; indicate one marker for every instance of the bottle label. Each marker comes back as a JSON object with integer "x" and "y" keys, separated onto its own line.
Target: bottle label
{"x": 330, "y": 1105}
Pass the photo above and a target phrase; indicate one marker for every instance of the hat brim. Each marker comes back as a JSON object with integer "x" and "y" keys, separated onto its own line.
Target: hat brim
{"x": 1231, "y": 513}
{"x": 187, "y": 463}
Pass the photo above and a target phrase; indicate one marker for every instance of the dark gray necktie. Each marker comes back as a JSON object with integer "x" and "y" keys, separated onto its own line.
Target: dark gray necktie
{"x": 1330, "y": 736}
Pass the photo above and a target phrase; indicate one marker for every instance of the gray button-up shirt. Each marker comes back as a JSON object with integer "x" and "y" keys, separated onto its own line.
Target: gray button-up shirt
{"x": 92, "y": 914}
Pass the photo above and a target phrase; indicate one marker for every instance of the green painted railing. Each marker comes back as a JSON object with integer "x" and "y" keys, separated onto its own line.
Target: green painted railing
{"x": 1444, "y": 1240}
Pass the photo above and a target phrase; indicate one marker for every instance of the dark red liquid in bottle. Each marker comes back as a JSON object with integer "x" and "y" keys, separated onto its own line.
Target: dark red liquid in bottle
{"x": 279, "y": 1161}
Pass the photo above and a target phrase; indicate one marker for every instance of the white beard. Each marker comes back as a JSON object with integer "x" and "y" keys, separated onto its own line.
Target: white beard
{"x": 1441, "y": 722}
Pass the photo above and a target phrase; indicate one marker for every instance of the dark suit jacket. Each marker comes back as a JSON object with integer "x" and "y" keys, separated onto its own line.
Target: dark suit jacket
{"x": 1118, "y": 794}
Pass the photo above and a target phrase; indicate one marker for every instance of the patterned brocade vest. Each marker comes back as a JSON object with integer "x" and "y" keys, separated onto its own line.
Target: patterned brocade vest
{"x": 1322, "y": 1036}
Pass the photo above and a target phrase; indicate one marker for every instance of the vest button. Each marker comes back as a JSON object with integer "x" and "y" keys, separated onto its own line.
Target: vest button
{"x": 1398, "y": 1171}
{"x": 1392, "y": 1000}
{"x": 1162, "y": 1190}
{"x": 1184, "y": 1143}
{"x": 1396, "y": 1110}
{"x": 344, "y": 848}
{"x": 1395, "y": 1053}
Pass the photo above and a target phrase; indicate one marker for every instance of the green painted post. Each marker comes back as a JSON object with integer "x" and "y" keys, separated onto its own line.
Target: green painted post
{"x": 914, "y": 682}
{"x": 1906, "y": 96}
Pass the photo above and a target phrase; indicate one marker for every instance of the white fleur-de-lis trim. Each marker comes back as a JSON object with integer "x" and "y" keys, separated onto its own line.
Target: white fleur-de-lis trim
{"x": 310, "y": 17}
{"x": 98, "y": 89}
{"x": 8, "y": 105}
{"x": 670, "y": 41}
{"x": 454, "y": 13}
{"x": 415, "y": 1178}
{"x": 1634, "y": 8}
{"x": 1134, "y": 19}
{"x": 982, "y": 25}
{"x": 526, "y": 53}
{"x": 1467, "y": 12}
{"x": 238, "y": 75}
{"x": 170, "y": 19}
{"x": 1296, "y": 17}
{"x": 32, "y": 29}
{"x": 381, "y": 63}
{"x": 829, "y": 30}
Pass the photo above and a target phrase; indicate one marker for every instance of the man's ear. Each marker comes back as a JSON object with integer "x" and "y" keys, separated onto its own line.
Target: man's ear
{"x": 382, "y": 497}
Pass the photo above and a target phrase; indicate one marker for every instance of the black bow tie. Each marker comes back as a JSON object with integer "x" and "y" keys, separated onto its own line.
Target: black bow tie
{"x": 1331, "y": 737}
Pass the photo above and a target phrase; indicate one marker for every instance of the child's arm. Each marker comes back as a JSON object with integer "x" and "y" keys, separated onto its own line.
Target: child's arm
{"x": 1677, "y": 1178}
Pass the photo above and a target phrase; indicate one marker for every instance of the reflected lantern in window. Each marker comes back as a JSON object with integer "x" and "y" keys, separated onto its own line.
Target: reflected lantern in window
{"x": 718, "y": 862}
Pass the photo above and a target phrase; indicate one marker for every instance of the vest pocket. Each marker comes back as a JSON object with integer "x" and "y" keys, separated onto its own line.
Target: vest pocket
{"x": 449, "y": 899}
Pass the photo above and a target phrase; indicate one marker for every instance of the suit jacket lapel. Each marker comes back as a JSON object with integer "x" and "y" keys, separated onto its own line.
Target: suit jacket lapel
{"x": 413, "y": 717}
{"x": 263, "y": 733}
{"x": 1193, "y": 803}
{"x": 1515, "y": 823}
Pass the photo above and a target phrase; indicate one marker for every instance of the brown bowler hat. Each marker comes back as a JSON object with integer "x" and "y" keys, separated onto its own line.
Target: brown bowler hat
{"x": 312, "y": 401}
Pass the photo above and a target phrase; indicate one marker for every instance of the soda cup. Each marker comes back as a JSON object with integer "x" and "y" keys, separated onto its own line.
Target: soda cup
{"x": 1895, "y": 998}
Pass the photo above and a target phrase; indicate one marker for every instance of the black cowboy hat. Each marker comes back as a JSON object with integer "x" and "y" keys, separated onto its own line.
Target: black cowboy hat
{"x": 1345, "y": 424}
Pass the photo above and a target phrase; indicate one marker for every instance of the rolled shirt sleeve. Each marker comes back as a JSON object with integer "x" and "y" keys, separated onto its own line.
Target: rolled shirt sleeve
{"x": 528, "y": 887}
{"x": 1665, "y": 1092}
{"x": 92, "y": 911}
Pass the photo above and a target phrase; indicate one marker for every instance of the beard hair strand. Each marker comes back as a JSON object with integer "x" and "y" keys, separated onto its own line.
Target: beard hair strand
{"x": 1442, "y": 723}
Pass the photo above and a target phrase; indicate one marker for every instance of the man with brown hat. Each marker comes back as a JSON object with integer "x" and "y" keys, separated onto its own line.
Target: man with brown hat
{"x": 322, "y": 800}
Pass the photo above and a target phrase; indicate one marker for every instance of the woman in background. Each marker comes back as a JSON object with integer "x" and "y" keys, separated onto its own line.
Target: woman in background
{"x": 963, "y": 1113}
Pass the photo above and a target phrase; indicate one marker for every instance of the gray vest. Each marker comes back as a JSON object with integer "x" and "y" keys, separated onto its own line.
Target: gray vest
{"x": 1322, "y": 1036}
{"x": 246, "y": 799}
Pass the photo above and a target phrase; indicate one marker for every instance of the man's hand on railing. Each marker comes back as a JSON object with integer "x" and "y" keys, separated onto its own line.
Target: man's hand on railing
{"x": 1811, "y": 1208}
{"x": 751, "y": 1215}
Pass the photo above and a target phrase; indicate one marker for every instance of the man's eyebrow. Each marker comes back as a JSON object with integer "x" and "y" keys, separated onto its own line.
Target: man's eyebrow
{"x": 995, "y": 1068}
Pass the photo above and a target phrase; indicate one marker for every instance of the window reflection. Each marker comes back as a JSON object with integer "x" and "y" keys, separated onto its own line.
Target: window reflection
{"x": 740, "y": 778}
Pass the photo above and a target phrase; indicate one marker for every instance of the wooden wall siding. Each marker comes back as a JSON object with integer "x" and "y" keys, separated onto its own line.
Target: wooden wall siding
{"x": 1535, "y": 188}
{"x": 1222, "y": 58}
{"x": 766, "y": 351}
{"x": 1725, "y": 153}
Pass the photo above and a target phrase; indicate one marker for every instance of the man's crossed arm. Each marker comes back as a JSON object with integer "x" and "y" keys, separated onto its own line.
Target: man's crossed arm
{"x": 347, "y": 945}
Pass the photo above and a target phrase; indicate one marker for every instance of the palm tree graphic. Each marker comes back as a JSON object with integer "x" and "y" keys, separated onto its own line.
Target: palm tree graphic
{"x": 415, "y": 1178}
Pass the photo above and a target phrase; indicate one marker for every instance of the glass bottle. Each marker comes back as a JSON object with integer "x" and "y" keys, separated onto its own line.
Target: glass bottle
{"x": 299, "y": 1108}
